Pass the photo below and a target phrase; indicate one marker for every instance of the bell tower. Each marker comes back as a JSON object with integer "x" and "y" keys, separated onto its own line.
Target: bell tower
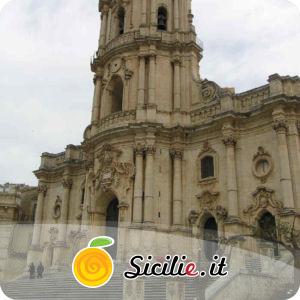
{"x": 147, "y": 63}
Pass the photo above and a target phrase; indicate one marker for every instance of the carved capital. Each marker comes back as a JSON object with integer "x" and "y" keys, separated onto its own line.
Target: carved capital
{"x": 88, "y": 164}
{"x": 262, "y": 198}
{"x": 97, "y": 78}
{"x": 280, "y": 126}
{"x": 150, "y": 150}
{"x": 67, "y": 183}
{"x": 128, "y": 74}
{"x": 176, "y": 60}
{"x": 42, "y": 189}
{"x": 230, "y": 141}
{"x": 139, "y": 149}
{"x": 298, "y": 126}
{"x": 193, "y": 217}
{"x": 176, "y": 154}
{"x": 105, "y": 9}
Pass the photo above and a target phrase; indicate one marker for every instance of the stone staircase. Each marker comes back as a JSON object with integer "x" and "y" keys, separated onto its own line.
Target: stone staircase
{"x": 63, "y": 286}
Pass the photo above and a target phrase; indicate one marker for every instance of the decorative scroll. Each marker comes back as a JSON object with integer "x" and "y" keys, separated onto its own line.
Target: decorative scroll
{"x": 112, "y": 171}
{"x": 210, "y": 91}
{"x": 208, "y": 202}
{"x": 263, "y": 198}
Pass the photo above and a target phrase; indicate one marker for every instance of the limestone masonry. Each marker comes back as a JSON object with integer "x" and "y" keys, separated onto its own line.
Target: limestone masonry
{"x": 168, "y": 151}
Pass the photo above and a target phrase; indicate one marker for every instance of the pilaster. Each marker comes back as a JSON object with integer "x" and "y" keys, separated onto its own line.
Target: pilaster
{"x": 281, "y": 128}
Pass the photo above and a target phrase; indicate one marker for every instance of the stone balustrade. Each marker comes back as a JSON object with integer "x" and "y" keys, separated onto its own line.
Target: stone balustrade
{"x": 205, "y": 114}
{"x": 245, "y": 102}
{"x": 119, "y": 118}
{"x": 133, "y": 36}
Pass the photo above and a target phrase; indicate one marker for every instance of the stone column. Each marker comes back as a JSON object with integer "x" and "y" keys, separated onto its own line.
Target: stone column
{"x": 144, "y": 12}
{"x": 108, "y": 25}
{"x": 281, "y": 128}
{"x": 62, "y": 234}
{"x": 60, "y": 252}
{"x": 42, "y": 190}
{"x": 104, "y": 17}
{"x": 141, "y": 89}
{"x": 294, "y": 150}
{"x": 151, "y": 95}
{"x": 177, "y": 82}
{"x": 153, "y": 13}
{"x": 176, "y": 15}
{"x": 85, "y": 221}
{"x": 127, "y": 90}
{"x": 149, "y": 188}
{"x": 233, "y": 208}
{"x": 177, "y": 156}
{"x": 96, "y": 100}
{"x": 138, "y": 185}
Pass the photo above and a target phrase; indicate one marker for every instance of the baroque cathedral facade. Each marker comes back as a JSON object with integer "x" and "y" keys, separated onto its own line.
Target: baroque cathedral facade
{"x": 167, "y": 152}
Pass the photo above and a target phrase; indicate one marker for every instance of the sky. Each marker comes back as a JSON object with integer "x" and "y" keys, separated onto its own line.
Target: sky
{"x": 46, "y": 84}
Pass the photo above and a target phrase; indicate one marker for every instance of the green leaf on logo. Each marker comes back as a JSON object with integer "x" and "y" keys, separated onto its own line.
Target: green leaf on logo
{"x": 101, "y": 242}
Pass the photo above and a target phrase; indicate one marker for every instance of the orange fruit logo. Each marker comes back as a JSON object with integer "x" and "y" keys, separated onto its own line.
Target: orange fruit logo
{"x": 93, "y": 266}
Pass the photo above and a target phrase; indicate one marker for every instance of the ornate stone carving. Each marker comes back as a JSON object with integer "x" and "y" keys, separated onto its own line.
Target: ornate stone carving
{"x": 230, "y": 141}
{"x": 150, "y": 149}
{"x": 176, "y": 154}
{"x": 263, "y": 197}
{"x": 280, "y": 126}
{"x": 208, "y": 203}
{"x": 111, "y": 171}
{"x": 262, "y": 164}
{"x": 139, "y": 149}
{"x": 57, "y": 208}
{"x": 128, "y": 74}
{"x": 42, "y": 189}
{"x": 53, "y": 232}
{"x": 210, "y": 91}
{"x": 206, "y": 149}
{"x": 208, "y": 199}
{"x": 193, "y": 217}
{"x": 221, "y": 212}
{"x": 67, "y": 183}
{"x": 97, "y": 78}
{"x": 298, "y": 126}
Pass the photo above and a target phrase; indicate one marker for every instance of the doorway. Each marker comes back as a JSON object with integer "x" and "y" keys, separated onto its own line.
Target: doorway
{"x": 112, "y": 222}
{"x": 210, "y": 238}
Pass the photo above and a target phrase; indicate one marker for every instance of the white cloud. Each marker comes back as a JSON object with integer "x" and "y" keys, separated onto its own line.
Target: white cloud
{"x": 46, "y": 84}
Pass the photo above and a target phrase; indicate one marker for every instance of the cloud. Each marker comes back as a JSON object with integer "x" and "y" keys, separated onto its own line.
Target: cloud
{"x": 45, "y": 80}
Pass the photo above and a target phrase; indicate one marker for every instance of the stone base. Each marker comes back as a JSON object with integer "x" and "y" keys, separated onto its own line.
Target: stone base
{"x": 60, "y": 257}
{"x": 233, "y": 226}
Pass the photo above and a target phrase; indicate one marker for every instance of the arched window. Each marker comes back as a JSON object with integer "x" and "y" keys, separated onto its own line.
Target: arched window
{"x": 162, "y": 19}
{"x": 121, "y": 20}
{"x": 117, "y": 95}
{"x": 207, "y": 167}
